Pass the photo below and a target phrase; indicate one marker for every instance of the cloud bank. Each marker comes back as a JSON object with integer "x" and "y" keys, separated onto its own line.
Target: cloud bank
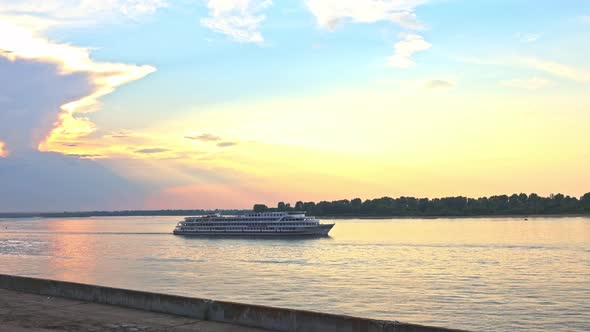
{"x": 204, "y": 137}
{"x": 46, "y": 181}
{"x": 151, "y": 150}
{"x": 31, "y": 107}
{"x": 3, "y": 151}
{"x": 40, "y": 15}
{"x": 404, "y": 49}
{"x": 238, "y": 19}
{"x": 329, "y": 12}
{"x": 226, "y": 144}
{"x": 554, "y": 68}
{"x": 46, "y": 90}
{"x": 534, "y": 83}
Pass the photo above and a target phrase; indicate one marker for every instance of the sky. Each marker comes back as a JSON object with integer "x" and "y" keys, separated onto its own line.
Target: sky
{"x": 170, "y": 104}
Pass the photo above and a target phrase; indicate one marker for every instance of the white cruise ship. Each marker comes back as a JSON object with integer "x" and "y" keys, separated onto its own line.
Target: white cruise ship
{"x": 254, "y": 224}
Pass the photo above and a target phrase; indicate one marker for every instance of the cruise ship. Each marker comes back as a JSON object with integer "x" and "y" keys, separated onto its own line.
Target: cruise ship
{"x": 254, "y": 224}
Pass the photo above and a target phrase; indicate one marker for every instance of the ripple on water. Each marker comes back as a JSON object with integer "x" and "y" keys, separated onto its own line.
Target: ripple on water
{"x": 484, "y": 274}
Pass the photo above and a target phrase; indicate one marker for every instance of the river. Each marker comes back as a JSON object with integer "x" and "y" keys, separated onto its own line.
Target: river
{"x": 485, "y": 274}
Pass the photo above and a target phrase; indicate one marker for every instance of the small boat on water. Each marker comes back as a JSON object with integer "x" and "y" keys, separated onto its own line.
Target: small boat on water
{"x": 254, "y": 224}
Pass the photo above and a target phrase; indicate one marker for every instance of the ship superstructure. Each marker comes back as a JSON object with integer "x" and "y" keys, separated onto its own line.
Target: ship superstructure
{"x": 254, "y": 224}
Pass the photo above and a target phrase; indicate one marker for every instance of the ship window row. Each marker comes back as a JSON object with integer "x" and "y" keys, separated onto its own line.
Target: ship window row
{"x": 252, "y": 224}
{"x": 235, "y": 229}
{"x": 218, "y": 227}
{"x": 248, "y": 219}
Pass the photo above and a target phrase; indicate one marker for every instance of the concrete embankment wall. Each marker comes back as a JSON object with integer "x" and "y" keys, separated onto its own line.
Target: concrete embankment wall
{"x": 278, "y": 319}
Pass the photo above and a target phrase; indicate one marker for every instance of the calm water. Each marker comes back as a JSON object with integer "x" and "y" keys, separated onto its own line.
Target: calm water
{"x": 479, "y": 274}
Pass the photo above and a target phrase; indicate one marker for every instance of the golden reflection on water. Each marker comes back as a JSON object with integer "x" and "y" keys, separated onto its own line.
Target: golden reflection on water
{"x": 65, "y": 246}
{"x": 466, "y": 231}
{"x": 480, "y": 274}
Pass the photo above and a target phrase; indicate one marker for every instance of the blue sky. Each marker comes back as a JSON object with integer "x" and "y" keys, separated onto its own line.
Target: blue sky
{"x": 197, "y": 66}
{"x": 217, "y": 94}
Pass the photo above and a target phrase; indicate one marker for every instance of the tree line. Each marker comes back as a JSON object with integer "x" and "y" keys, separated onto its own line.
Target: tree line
{"x": 515, "y": 204}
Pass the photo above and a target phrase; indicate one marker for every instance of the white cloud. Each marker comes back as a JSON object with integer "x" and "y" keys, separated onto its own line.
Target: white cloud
{"x": 439, "y": 84}
{"x": 586, "y": 19}
{"x": 329, "y": 12}
{"x": 547, "y": 66}
{"x": 238, "y": 19}
{"x": 22, "y": 26}
{"x": 46, "y": 88}
{"x": 554, "y": 68}
{"x": 534, "y": 83}
{"x": 404, "y": 49}
{"x": 33, "y": 91}
{"x": 528, "y": 37}
{"x": 423, "y": 86}
{"x": 39, "y": 15}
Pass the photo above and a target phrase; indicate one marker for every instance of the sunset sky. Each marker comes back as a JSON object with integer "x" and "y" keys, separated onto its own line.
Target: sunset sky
{"x": 149, "y": 104}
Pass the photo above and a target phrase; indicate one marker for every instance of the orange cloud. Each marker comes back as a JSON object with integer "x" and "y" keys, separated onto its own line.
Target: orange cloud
{"x": 3, "y": 151}
{"x": 17, "y": 43}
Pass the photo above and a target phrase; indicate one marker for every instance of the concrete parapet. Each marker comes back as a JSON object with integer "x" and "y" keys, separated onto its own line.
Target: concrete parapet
{"x": 277, "y": 319}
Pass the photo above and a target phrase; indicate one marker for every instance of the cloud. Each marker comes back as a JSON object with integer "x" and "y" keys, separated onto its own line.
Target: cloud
{"x": 100, "y": 78}
{"x": 151, "y": 150}
{"x": 439, "y": 84}
{"x": 547, "y": 66}
{"x": 47, "y": 88}
{"x": 85, "y": 155}
{"x": 534, "y": 83}
{"x": 226, "y": 144}
{"x": 238, "y": 19}
{"x": 32, "y": 110}
{"x": 40, "y": 15}
{"x": 45, "y": 181}
{"x": 120, "y": 134}
{"x": 204, "y": 137}
{"x": 404, "y": 49}
{"x": 528, "y": 37}
{"x": 207, "y": 138}
{"x": 421, "y": 87}
{"x": 3, "y": 151}
{"x": 330, "y": 12}
{"x": 554, "y": 68}
{"x": 585, "y": 19}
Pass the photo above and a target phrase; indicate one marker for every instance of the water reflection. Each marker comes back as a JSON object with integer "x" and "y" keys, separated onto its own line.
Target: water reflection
{"x": 481, "y": 274}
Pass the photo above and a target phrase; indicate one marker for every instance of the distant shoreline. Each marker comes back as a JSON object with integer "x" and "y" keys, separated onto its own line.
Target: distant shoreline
{"x": 123, "y": 213}
{"x": 564, "y": 215}
{"x": 183, "y": 213}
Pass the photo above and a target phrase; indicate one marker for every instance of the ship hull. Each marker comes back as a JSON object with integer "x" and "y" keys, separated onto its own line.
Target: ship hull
{"x": 318, "y": 231}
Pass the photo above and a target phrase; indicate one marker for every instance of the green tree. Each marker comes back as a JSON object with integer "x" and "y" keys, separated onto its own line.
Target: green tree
{"x": 299, "y": 206}
{"x": 585, "y": 202}
{"x": 260, "y": 208}
{"x": 446, "y": 206}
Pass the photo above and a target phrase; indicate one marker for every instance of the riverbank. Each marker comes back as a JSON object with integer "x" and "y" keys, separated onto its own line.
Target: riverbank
{"x": 499, "y": 216}
{"x": 30, "y": 303}
{"x": 24, "y": 312}
{"x": 188, "y": 213}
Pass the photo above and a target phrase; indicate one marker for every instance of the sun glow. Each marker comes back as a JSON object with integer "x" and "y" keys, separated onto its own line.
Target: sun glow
{"x": 3, "y": 151}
